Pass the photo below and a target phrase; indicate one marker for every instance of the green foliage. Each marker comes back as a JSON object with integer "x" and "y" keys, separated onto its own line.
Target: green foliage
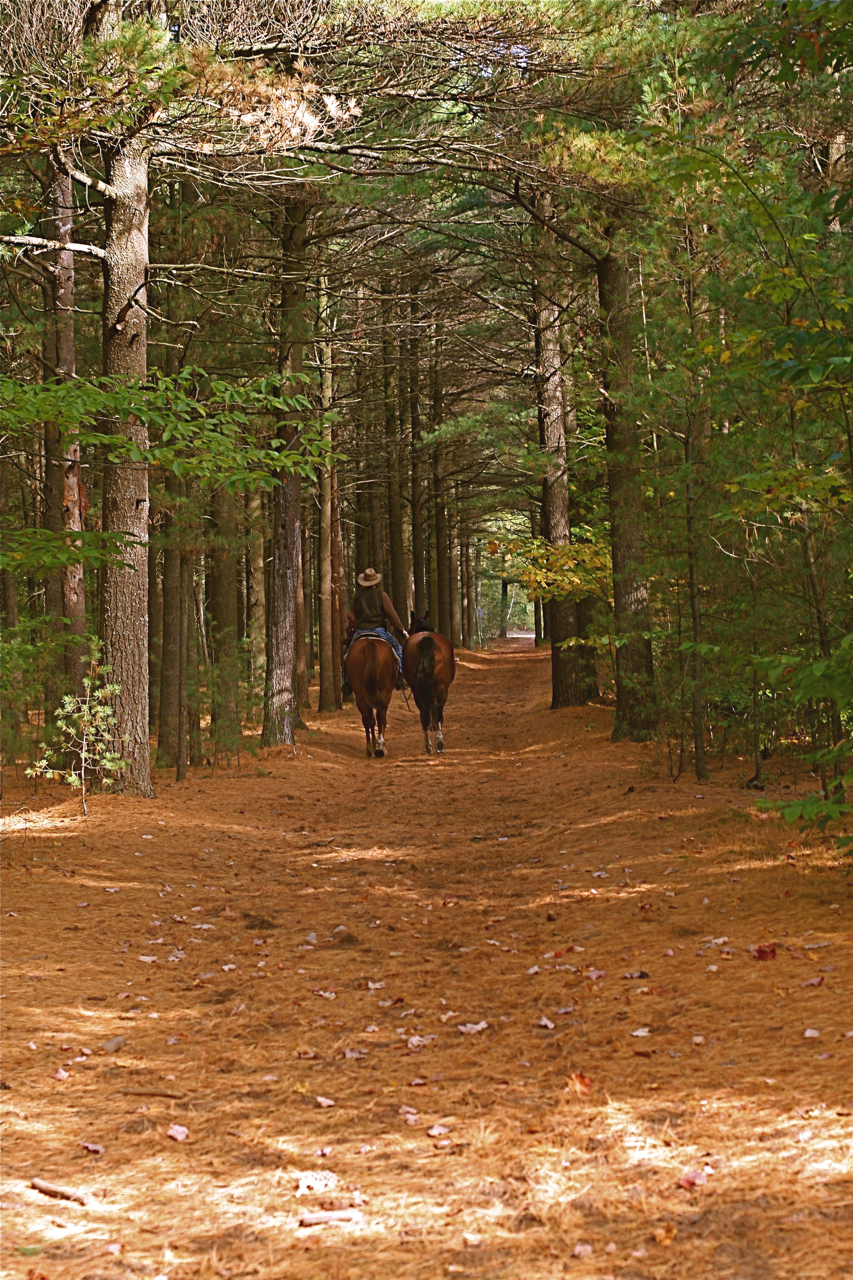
{"x": 86, "y": 728}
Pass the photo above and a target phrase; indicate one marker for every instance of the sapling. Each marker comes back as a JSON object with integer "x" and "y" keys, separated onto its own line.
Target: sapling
{"x": 87, "y": 735}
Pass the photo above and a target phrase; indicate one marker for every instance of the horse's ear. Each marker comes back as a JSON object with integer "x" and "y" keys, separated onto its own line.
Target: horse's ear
{"x": 426, "y": 616}
{"x": 412, "y": 621}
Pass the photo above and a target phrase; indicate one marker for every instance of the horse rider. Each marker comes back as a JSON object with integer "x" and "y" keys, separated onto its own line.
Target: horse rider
{"x": 373, "y": 611}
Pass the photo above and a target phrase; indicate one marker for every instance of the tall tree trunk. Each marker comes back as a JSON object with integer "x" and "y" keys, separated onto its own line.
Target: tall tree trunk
{"x": 695, "y": 615}
{"x": 565, "y": 684}
{"x": 281, "y": 709}
{"x": 327, "y": 673}
{"x": 184, "y": 622}
{"x": 419, "y": 564}
{"x": 397, "y": 584}
{"x": 442, "y": 548}
{"x": 636, "y": 714}
{"x": 302, "y": 682}
{"x": 155, "y": 622}
{"x": 124, "y": 602}
{"x": 453, "y": 571}
{"x": 65, "y": 493}
{"x": 340, "y": 597}
{"x": 173, "y": 610}
{"x": 223, "y": 614}
{"x": 255, "y": 587}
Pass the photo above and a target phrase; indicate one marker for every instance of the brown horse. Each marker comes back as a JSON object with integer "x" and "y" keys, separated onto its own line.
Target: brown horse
{"x": 371, "y": 668}
{"x": 429, "y": 667}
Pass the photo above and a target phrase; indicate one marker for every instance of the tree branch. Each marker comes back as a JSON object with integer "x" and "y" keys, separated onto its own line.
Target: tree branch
{"x": 554, "y": 226}
{"x": 108, "y": 192}
{"x": 43, "y": 244}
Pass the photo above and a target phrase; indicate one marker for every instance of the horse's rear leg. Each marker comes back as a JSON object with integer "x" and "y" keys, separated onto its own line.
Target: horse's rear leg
{"x": 369, "y": 730}
{"x": 381, "y": 720}
{"x": 438, "y": 717}
{"x": 427, "y": 743}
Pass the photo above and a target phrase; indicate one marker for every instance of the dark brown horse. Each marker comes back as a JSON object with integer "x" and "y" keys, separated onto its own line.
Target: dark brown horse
{"x": 429, "y": 667}
{"x": 371, "y": 669}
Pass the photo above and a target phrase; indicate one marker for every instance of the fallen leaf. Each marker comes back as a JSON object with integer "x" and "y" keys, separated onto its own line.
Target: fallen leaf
{"x": 582, "y": 1251}
{"x": 324, "y": 1102}
{"x": 665, "y": 1234}
{"x": 61, "y": 1074}
{"x": 595, "y": 974}
{"x": 695, "y": 1178}
{"x": 579, "y": 1083}
{"x": 810, "y": 1034}
{"x": 763, "y": 951}
{"x": 115, "y": 1247}
{"x": 471, "y": 1028}
{"x": 698, "y": 1041}
{"x": 93, "y": 1148}
{"x": 641, "y": 1031}
{"x": 546, "y": 1022}
{"x": 147, "y": 959}
{"x": 178, "y": 1133}
{"x": 438, "y": 1131}
{"x": 813, "y": 982}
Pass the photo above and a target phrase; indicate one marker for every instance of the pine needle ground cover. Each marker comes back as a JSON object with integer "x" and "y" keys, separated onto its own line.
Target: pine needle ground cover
{"x": 526, "y": 1010}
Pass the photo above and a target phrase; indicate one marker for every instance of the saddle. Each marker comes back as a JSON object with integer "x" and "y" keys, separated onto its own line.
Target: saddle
{"x": 369, "y": 635}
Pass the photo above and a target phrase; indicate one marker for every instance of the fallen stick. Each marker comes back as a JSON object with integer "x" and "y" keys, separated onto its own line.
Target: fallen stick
{"x": 151, "y": 1093}
{"x": 329, "y": 1216}
{"x": 59, "y": 1193}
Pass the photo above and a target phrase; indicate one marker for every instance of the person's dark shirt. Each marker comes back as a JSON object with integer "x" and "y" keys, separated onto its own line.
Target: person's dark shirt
{"x": 372, "y": 608}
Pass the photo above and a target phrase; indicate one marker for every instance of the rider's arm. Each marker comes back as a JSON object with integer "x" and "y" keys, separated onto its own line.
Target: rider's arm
{"x": 391, "y": 613}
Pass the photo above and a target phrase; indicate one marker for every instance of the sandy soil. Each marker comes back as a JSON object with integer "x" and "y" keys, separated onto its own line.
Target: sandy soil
{"x": 496, "y": 1010}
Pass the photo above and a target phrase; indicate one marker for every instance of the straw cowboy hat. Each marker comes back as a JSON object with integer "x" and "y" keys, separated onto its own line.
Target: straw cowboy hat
{"x": 370, "y": 578}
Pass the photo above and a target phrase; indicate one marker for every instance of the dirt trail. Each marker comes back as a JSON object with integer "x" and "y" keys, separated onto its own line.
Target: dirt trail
{"x": 519, "y": 972}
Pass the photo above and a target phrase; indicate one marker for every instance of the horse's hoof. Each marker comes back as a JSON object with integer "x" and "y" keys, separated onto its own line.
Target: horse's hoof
{"x": 380, "y": 754}
{"x": 428, "y": 750}
{"x": 368, "y": 753}
{"x": 439, "y": 748}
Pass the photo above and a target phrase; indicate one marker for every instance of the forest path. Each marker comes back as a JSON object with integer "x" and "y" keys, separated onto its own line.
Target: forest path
{"x": 519, "y": 972}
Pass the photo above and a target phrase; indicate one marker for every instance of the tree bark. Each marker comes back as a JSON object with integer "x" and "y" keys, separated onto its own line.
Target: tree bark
{"x": 65, "y": 493}
{"x": 636, "y": 714}
{"x": 223, "y": 614}
{"x": 281, "y": 710}
{"x": 155, "y": 622}
{"x": 124, "y": 596}
{"x": 442, "y": 549}
{"x": 340, "y": 597}
{"x": 397, "y": 584}
{"x": 327, "y": 674}
{"x": 565, "y": 682}
{"x": 418, "y": 497}
{"x": 170, "y": 662}
{"x": 453, "y": 571}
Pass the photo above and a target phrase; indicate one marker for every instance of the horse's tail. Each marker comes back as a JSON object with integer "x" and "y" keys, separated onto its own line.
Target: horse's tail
{"x": 370, "y": 678}
{"x": 425, "y": 676}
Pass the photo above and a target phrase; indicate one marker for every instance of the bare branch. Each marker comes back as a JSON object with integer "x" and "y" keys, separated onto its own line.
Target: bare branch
{"x": 59, "y": 159}
{"x": 42, "y": 244}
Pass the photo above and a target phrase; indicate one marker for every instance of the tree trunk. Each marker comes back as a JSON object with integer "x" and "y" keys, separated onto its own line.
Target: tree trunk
{"x": 442, "y": 548}
{"x": 281, "y": 710}
{"x": 65, "y": 493}
{"x": 397, "y": 585}
{"x": 695, "y": 616}
{"x": 502, "y": 632}
{"x": 255, "y": 588}
{"x": 184, "y": 622}
{"x": 223, "y": 613}
{"x": 327, "y": 674}
{"x": 418, "y": 497}
{"x": 453, "y": 572}
{"x": 155, "y": 623}
{"x": 636, "y": 714}
{"x": 340, "y": 597}
{"x": 565, "y": 684}
{"x": 173, "y": 609}
{"x": 124, "y": 600}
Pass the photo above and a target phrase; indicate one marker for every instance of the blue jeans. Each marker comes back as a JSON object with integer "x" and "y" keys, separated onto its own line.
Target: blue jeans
{"x": 384, "y": 634}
